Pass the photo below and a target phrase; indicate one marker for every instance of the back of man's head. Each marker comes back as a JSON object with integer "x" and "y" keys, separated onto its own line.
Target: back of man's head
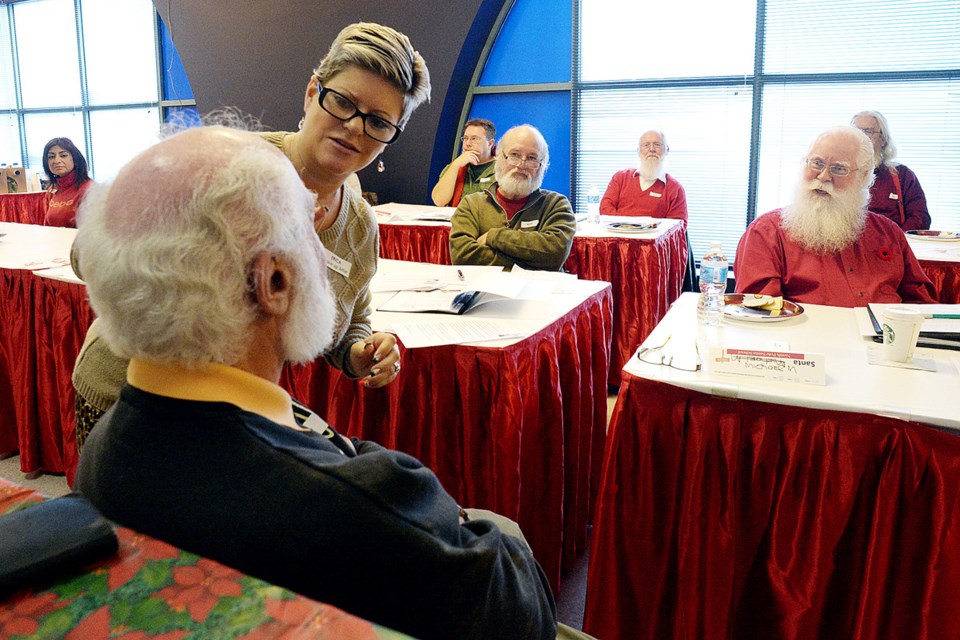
{"x": 166, "y": 249}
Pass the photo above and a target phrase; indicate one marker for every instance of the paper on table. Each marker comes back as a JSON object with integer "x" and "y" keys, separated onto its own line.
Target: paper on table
{"x": 442, "y": 276}
{"x": 65, "y": 274}
{"x": 399, "y": 211}
{"x": 460, "y": 331}
{"x": 45, "y": 263}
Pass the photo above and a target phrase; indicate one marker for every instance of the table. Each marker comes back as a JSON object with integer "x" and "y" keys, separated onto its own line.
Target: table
{"x": 45, "y": 321}
{"x": 26, "y": 208}
{"x": 646, "y": 271}
{"x": 516, "y": 427}
{"x": 730, "y": 507}
{"x": 151, "y": 586}
{"x": 940, "y": 260}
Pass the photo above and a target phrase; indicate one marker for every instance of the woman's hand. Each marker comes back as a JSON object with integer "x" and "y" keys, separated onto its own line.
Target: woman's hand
{"x": 376, "y": 359}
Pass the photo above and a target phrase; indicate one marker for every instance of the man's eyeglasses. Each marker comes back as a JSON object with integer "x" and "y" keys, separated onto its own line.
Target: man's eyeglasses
{"x": 818, "y": 165}
{"x": 473, "y": 139}
{"x": 652, "y": 145}
{"x": 530, "y": 162}
{"x": 343, "y": 108}
{"x": 655, "y": 355}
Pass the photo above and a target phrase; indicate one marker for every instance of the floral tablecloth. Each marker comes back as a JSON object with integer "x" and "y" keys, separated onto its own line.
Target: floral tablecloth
{"x": 151, "y": 589}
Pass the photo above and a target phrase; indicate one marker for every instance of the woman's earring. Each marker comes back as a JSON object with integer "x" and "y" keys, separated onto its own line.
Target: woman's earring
{"x": 380, "y": 167}
{"x": 300, "y": 124}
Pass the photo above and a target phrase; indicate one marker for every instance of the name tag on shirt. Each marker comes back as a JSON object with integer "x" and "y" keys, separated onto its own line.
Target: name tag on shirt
{"x": 894, "y": 196}
{"x": 488, "y": 179}
{"x": 338, "y": 264}
{"x": 529, "y": 224}
{"x": 654, "y": 194}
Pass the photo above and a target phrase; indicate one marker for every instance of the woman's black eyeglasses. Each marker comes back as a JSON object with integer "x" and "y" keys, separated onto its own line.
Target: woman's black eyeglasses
{"x": 343, "y": 108}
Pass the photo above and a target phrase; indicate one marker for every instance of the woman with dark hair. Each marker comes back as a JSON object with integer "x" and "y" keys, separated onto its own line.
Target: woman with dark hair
{"x": 66, "y": 168}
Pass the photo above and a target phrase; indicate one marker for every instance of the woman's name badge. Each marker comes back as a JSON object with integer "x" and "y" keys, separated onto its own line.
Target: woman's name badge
{"x": 654, "y": 194}
{"x": 529, "y": 224}
{"x": 338, "y": 264}
{"x": 894, "y": 196}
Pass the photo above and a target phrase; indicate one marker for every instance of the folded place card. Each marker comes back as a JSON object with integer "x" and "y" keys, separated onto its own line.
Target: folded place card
{"x": 783, "y": 366}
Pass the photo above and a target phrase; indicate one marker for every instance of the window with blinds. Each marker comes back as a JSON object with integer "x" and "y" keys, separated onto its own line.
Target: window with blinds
{"x": 740, "y": 89}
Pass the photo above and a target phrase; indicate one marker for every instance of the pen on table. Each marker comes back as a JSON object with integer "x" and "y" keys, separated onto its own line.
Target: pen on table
{"x": 942, "y": 316}
{"x": 460, "y": 275}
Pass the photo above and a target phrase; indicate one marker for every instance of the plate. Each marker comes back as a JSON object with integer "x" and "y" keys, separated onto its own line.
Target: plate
{"x": 631, "y": 227}
{"x": 732, "y": 308}
{"x": 924, "y": 234}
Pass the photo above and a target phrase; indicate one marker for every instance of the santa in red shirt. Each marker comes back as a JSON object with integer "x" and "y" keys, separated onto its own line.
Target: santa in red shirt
{"x": 826, "y": 247}
{"x": 649, "y": 190}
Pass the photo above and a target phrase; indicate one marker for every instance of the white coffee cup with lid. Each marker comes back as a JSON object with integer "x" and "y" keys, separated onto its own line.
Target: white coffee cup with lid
{"x": 901, "y": 328}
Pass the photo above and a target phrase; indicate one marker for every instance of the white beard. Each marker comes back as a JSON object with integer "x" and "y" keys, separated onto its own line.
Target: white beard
{"x": 825, "y": 225}
{"x": 650, "y": 168}
{"x": 309, "y": 327}
{"x": 513, "y": 183}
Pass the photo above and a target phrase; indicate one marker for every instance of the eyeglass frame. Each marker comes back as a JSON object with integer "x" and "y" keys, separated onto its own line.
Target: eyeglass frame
{"x": 836, "y": 170}
{"x": 869, "y": 131}
{"x": 474, "y": 139}
{"x": 521, "y": 161}
{"x": 651, "y": 145}
{"x": 324, "y": 91}
{"x": 666, "y": 360}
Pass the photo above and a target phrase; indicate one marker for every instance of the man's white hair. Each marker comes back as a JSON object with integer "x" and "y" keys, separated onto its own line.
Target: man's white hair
{"x": 168, "y": 270}
{"x": 864, "y": 158}
{"x": 889, "y": 150}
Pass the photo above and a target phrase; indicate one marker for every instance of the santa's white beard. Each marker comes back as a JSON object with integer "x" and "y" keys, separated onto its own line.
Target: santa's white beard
{"x": 516, "y": 184}
{"x": 825, "y": 225}
{"x": 650, "y": 167}
{"x": 308, "y": 331}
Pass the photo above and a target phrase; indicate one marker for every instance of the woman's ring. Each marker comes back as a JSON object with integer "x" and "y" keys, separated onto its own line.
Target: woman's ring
{"x": 396, "y": 367}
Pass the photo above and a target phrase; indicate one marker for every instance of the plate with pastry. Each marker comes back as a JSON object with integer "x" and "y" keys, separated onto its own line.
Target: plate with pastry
{"x": 631, "y": 227}
{"x": 757, "y": 307}
{"x": 931, "y": 234}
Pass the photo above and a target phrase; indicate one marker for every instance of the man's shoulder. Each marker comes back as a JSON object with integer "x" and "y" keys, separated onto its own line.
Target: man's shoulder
{"x": 625, "y": 174}
{"x": 546, "y": 199}
{"x": 882, "y": 223}
{"x": 670, "y": 180}
{"x": 770, "y": 218}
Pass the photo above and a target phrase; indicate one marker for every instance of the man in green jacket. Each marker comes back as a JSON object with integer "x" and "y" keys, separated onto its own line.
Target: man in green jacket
{"x": 514, "y": 221}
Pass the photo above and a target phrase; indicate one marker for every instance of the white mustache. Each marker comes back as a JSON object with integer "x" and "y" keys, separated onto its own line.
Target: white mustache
{"x": 815, "y": 184}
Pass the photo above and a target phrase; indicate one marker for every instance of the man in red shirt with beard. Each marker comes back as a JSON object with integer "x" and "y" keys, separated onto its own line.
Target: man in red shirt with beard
{"x": 825, "y": 247}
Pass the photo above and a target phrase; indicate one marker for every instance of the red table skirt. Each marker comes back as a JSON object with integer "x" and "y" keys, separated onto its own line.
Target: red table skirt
{"x": 518, "y": 430}
{"x": 25, "y": 208}
{"x": 946, "y": 279}
{"x": 44, "y": 324}
{"x": 646, "y": 275}
{"x": 724, "y": 518}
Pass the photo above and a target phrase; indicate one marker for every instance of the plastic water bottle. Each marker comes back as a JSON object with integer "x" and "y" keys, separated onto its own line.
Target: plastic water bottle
{"x": 713, "y": 285}
{"x": 593, "y": 205}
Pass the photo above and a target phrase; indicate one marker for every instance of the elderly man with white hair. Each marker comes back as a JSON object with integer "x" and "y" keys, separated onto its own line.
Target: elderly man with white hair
{"x": 514, "y": 221}
{"x": 896, "y": 192}
{"x": 209, "y": 276}
{"x": 825, "y": 247}
{"x": 648, "y": 190}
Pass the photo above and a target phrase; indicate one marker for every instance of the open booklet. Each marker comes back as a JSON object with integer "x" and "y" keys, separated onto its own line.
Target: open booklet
{"x": 940, "y": 328}
{"x": 473, "y": 291}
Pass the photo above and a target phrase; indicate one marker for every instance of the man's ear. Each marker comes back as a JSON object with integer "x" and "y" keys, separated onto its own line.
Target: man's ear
{"x": 272, "y": 279}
